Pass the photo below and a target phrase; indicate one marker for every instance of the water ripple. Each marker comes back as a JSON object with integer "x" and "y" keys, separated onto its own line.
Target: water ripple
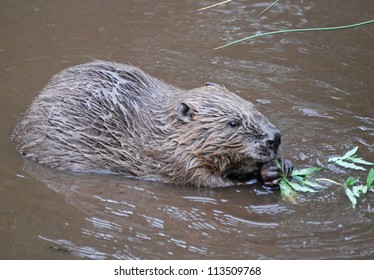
{"x": 201, "y": 199}
{"x": 69, "y": 247}
{"x": 234, "y": 221}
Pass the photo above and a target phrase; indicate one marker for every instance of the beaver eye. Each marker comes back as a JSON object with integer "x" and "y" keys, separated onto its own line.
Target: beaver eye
{"x": 233, "y": 124}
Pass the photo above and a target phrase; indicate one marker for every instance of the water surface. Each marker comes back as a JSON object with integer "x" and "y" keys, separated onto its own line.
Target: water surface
{"x": 317, "y": 88}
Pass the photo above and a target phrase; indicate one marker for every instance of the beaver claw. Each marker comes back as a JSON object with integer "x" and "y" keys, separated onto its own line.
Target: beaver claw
{"x": 271, "y": 174}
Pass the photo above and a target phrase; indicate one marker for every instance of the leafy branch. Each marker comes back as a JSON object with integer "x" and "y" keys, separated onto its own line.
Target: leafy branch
{"x": 301, "y": 181}
{"x": 352, "y": 190}
{"x": 298, "y": 181}
{"x": 350, "y": 160}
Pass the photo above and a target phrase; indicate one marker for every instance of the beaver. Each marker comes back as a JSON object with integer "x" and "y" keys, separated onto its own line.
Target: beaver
{"x": 114, "y": 118}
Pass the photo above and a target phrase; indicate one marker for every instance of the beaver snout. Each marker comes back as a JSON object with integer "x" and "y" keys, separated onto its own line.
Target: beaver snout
{"x": 273, "y": 140}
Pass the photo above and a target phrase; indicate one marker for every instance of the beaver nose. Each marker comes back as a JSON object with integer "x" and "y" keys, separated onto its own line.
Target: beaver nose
{"x": 273, "y": 140}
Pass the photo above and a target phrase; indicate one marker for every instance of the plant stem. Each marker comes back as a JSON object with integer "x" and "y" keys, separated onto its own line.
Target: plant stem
{"x": 267, "y": 8}
{"x": 296, "y": 30}
{"x": 211, "y": 6}
{"x": 329, "y": 180}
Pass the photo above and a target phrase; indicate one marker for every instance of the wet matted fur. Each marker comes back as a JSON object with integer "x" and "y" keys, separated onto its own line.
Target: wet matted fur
{"x": 110, "y": 117}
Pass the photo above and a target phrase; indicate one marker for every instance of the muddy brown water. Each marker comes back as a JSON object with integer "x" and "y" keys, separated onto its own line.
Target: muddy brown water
{"x": 317, "y": 87}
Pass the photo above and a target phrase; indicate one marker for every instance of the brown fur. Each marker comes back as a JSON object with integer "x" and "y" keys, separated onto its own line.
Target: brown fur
{"x": 109, "y": 117}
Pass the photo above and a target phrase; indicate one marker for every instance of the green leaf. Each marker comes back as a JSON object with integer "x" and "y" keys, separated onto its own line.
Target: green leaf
{"x": 334, "y": 159}
{"x": 347, "y": 155}
{"x": 359, "y": 190}
{"x": 303, "y": 181}
{"x": 360, "y": 161}
{"x": 287, "y": 192}
{"x": 351, "y": 197}
{"x": 348, "y": 165}
{"x": 300, "y": 188}
{"x": 370, "y": 179}
{"x": 356, "y": 191}
{"x": 279, "y": 166}
{"x": 306, "y": 171}
{"x": 351, "y": 181}
{"x": 313, "y": 184}
{"x": 298, "y": 178}
{"x": 364, "y": 189}
{"x": 350, "y": 153}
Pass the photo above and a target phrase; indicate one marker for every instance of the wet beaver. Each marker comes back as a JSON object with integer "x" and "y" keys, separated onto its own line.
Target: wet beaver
{"x": 109, "y": 117}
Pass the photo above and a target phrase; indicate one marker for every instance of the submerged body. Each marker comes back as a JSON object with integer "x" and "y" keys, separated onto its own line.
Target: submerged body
{"x": 109, "y": 117}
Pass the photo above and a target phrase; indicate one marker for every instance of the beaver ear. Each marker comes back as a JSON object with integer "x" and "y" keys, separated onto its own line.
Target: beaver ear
{"x": 184, "y": 112}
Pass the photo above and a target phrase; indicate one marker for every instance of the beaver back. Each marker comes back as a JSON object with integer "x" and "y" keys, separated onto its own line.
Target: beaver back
{"x": 109, "y": 117}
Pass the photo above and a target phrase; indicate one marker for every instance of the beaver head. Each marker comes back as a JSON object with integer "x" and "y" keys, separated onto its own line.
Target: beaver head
{"x": 220, "y": 137}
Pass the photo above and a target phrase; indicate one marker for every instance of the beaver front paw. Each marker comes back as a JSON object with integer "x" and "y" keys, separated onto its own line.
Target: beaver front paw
{"x": 271, "y": 174}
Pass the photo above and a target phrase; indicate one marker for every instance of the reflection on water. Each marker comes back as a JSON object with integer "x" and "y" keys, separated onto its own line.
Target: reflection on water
{"x": 316, "y": 87}
{"x": 130, "y": 219}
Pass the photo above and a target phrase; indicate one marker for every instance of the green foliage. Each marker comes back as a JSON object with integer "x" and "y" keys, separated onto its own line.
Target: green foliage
{"x": 298, "y": 181}
{"x": 350, "y": 160}
{"x": 370, "y": 179}
{"x": 353, "y": 191}
{"x": 287, "y": 191}
{"x": 301, "y": 180}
